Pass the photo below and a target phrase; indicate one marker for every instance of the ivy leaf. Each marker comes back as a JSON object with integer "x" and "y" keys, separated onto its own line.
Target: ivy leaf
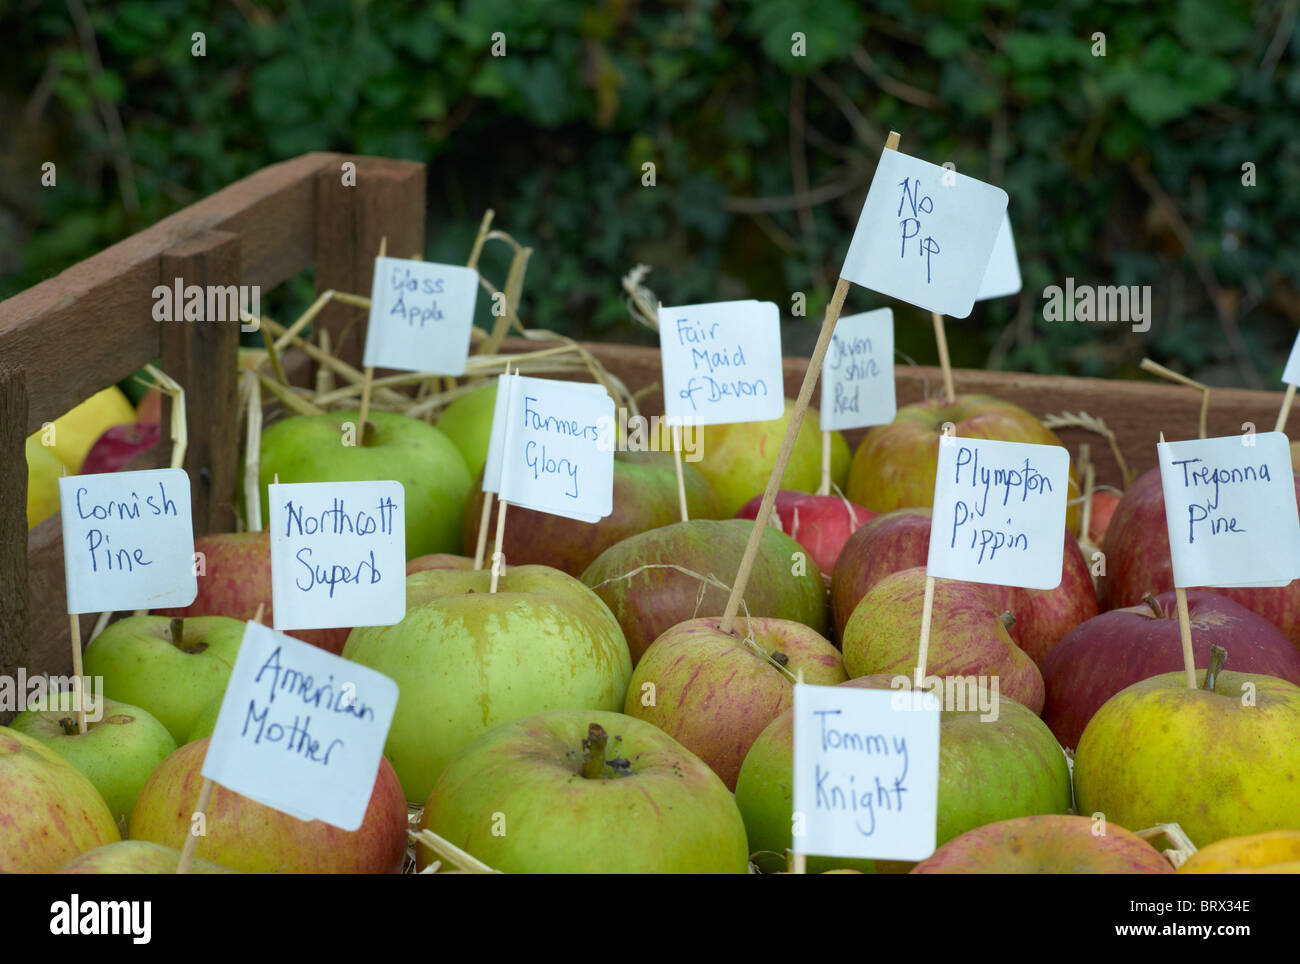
{"x": 829, "y": 28}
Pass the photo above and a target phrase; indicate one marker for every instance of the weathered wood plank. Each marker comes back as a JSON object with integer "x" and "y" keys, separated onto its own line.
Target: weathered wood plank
{"x": 13, "y": 523}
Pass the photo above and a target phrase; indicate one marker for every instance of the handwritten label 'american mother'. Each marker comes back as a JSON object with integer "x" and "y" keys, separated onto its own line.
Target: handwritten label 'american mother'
{"x": 925, "y": 234}
{"x": 866, "y": 773}
{"x": 300, "y": 729}
{"x": 722, "y": 362}
{"x": 338, "y": 554}
{"x": 421, "y": 315}
{"x": 1230, "y": 505}
{"x": 128, "y": 541}
{"x": 858, "y": 373}
{"x": 999, "y": 512}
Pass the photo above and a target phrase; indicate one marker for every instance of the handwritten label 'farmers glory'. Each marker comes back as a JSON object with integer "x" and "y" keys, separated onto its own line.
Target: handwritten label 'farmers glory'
{"x": 338, "y": 554}
{"x": 999, "y": 512}
{"x": 1230, "y": 506}
{"x": 858, "y": 373}
{"x": 421, "y": 315}
{"x": 722, "y": 362}
{"x": 128, "y": 541}
{"x": 300, "y": 729}
{"x": 925, "y": 234}
{"x": 866, "y": 773}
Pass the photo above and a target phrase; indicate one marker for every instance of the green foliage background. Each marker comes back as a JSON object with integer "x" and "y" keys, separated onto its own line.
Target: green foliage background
{"x": 1122, "y": 169}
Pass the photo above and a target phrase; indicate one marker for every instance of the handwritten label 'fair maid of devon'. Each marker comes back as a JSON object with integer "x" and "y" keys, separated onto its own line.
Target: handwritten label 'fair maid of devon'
{"x": 1230, "y": 507}
{"x": 338, "y": 554}
{"x": 300, "y": 729}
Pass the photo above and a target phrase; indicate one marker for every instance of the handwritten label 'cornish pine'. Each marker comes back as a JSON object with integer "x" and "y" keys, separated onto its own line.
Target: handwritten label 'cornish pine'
{"x": 999, "y": 512}
{"x": 338, "y": 554}
{"x": 421, "y": 315}
{"x": 866, "y": 773}
{"x": 1230, "y": 506}
{"x": 722, "y": 362}
{"x": 128, "y": 540}
{"x": 858, "y": 373}
{"x": 300, "y": 729}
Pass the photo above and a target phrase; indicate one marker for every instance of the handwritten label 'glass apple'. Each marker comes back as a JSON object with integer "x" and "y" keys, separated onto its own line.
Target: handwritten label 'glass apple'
{"x": 300, "y": 729}
{"x": 999, "y": 512}
{"x": 866, "y": 772}
{"x": 925, "y": 235}
{"x": 858, "y": 373}
{"x": 1230, "y": 506}
{"x": 338, "y": 554}
{"x": 128, "y": 540}
{"x": 421, "y": 315}
{"x": 722, "y": 362}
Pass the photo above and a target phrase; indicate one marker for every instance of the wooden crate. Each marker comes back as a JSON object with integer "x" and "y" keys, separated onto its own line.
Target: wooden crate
{"x": 91, "y": 326}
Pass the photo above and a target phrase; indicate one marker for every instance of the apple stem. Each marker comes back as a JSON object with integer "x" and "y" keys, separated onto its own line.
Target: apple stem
{"x": 1218, "y": 656}
{"x": 593, "y": 765}
{"x": 1007, "y": 619}
{"x": 780, "y": 658}
{"x": 178, "y": 632}
{"x": 1154, "y": 603}
{"x": 69, "y": 726}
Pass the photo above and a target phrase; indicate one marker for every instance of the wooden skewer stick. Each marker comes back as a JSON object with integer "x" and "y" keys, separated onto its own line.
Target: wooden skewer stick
{"x": 1285, "y": 411}
{"x": 484, "y": 518}
{"x": 923, "y": 650}
{"x": 78, "y": 685}
{"x": 1184, "y": 622}
{"x": 192, "y": 839}
{"x": 787, "y": 444}
{"x": 798, "y": 859}
{"x": 941, "y": 339}
{"x": 370, "y": 371}
{"x": 824, "y": 487}
{"x": 677, "y": 464}
{"x": 498, "y": 558}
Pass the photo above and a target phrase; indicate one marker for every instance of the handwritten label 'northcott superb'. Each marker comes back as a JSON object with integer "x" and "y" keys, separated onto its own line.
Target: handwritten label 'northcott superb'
{"x": 300, "y": 729}
{"x": 866, "y": 773}
{"x": 858, "y": 373}
{"x": 1230, "y": 505}
{"x": 999, "y": 512}
{"x": 338, "y": 554}
{"x": 722, "y": 362}
{"x": 925, "y": 235}
{"x": 128, "y": 540}
{"x": 421, "y": 315}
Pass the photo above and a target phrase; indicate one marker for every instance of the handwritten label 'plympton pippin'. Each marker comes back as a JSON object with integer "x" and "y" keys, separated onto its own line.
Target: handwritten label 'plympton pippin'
{"x": 999, "y": 512}
{"x": 866, "y": 773}
{"x": 722, "y": 362}
{"x": 128, "y": 540}
{"x": 858, "y": 373}
{"x": 301, "y": 729}
{"x": 1230, "y": 506}
{"x": 338, "y": 554}
{"x": 421, "y": 315}
{"x": 925, "y": 234}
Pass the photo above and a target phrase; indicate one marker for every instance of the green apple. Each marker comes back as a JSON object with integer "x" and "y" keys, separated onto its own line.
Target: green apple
{"x": 585, "y": 792}
{"x": 310, "y": 448}
{"x": 714, "y": 692}
{"x": 468, "y": 423}
{"x": 252, "y": 838}
{"x": 466, "y": 660}
{"x": 989, "y": 769}
{"x": 1221, "y": 760}
{"x": 43, "y": 471}
{"x": 738, "y": 458}
{"x": 205, "y": 722}
{"x": 171, "y": 679}
{"x": 136, "y": 857}
{"x": 49, "y": 811}
{"x": 117, "y": 752}
{"x": 1046, "y": 844}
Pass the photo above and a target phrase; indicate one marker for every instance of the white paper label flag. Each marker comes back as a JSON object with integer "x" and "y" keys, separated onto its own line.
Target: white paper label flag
{"x": 1230, "y": 505}
{"x": 1002, "y": 276}
{"x": 722, "y": 362}
{"x": 128, "y": 540}
{"x": 338, "y": 554}
{"x": 858, "y": 373}
{"x": 421, "y": 315}
{"x": 1291, "y": 374}
{"x": 999, "y": 512}
{"x": 866, "y": 772}
{"x": 925, "y": 234}
{"x": 300, "y": 729}
{"x": 557, "y": 451}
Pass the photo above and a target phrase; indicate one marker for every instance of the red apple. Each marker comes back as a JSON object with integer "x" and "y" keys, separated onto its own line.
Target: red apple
{"x": 1138, "y": 562}
{"x": 1113, "y": 651}
{"x": 1104, "y": 502}
{"x": 1046, "y": 844}
{"x": 439, "y": 560}
{"x": 819, "y": 523}
{"x": 714, "y": 693}
{"x": 253, "y": 838}
{"x": 236, "y": 579}
{"x": 119, "y": 445}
